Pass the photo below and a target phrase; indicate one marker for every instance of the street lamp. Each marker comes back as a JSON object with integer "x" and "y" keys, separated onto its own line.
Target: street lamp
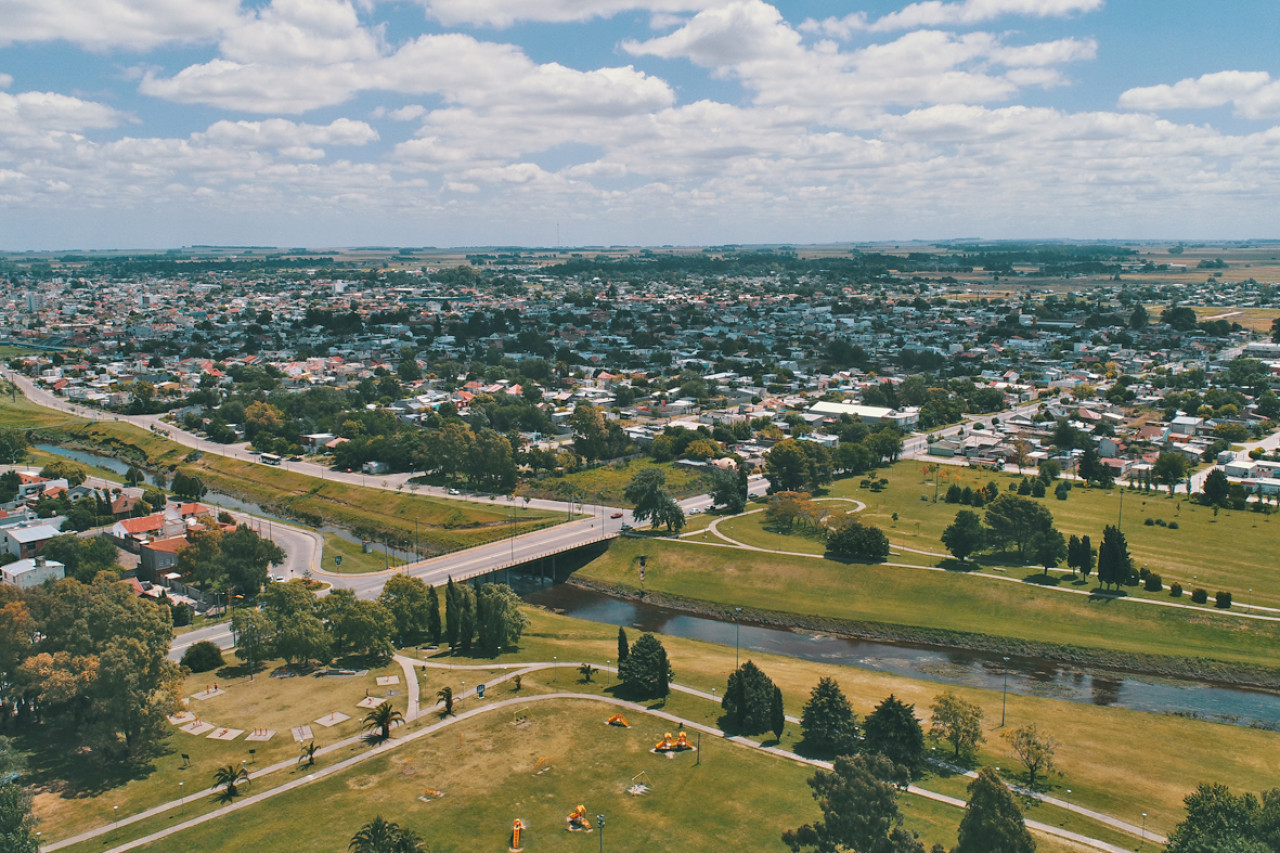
{"x": 182, "y": 796}
{"x": 1064, "y": 820}
{"x": 1004, "y": 699}
{"x": 555, "y": 669}
{"x": 600, "y": 823}
{"x": 1144, "y": 828}
{"x": 737, "y": 628}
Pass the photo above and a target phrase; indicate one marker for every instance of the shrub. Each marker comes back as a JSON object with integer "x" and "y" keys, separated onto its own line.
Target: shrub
{"x": 1061, "y": 490}
{"x": 1153, "y": 583}
{"x": 182, "y": 615}
{"x": 1222, "y": 600}
{"x": 1149, "y": 521}
{"x": 1199, "y": 596}
{"x": 1143, "y": 574}
{"x": 1175, "y": 590}
{"x": 1037, "y": 489}
{"x": 202, "y": 657}
{"x": 1173, "y": 525}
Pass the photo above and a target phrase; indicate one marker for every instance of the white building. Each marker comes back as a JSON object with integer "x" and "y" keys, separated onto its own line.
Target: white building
{"x": 26, "y": 574}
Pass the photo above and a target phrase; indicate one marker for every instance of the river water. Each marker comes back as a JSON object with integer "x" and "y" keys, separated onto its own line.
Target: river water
{"x": 1029, "y": 676}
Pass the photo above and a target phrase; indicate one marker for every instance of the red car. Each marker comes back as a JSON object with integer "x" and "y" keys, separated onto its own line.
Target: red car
{"x": 616, "y": 515}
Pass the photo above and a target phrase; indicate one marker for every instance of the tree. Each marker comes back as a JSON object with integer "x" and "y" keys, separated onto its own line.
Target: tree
{"x": 1216, "y": 490}
{"x": 859, "y": 810}
{"x": 830, "y": 726}
{"x": 856, "y": 541}
{"x": 728, "y": 489}
{"x": 1170, "y": 469}
{"x": 381, "y": 718}
{"x": 648, "y": 494}
{"x": 246, "y": 558}
{"x": 793, "y": 466}
{"x": 1034, "y": 750}
{"x": 499, "y": 619}
{"x": 747, "y": 700}
{"x": 623, "y": 648}
{"x": 1114, "y": 563}
{"x": 777, "y": 714}
{"x": 406, "y": 598}
{"x": 1083, "y": 555}
{"x": 957, "y": 722}
{"x": 893, "y": 731}
{"x": 362, "y": 627}
{"x": 587, "y": 671}
{"x": 646, "y": 672}
{"x": 60, "y": 469}
{"x": 307, "y": 756}
{"x": 589, "y": 433}
{"x": 1139, "y": 317}
{"x": 1219, "y": 821}
{"x": 1180, "y": 318}
{"x": 964, "y": 535}
{"x": 384, "y": 836}
{"x": 433, "y": 615}
{"x": 229, "y": 777}
{"x": 202, "y": 656}
{"x": 1012, "y": 520}
{"x": 451, "y": 613}
{"x": 445, "y": 696}
{"x": 13, "y": 446}
{"x": 992, "y": 821}
{"x": 1048, "y": 548}
{"x": 17, "y": 824}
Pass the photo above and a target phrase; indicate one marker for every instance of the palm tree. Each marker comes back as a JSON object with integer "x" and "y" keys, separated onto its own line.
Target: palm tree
{"x": 586, "y": 670}
{"x": 446, "y": 696}
{"x": 308, "y": 754}
{"x": 230, "y": 776}
{"x": 377, "y": 836}
{"x": 382, "y": 718}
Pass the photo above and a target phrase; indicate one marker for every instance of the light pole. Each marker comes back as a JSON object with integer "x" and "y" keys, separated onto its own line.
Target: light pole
{"x": 600, "y": 823}
{"x": 182, "y": 795}
{"x": 555, "y": 669}
{"x": 1144, "y": 829}
{"x": 737, "y": 614}
{"x": 607, "y": 670}
{"x": 1004, "y": 699}
{"x": 1064, "y": 821}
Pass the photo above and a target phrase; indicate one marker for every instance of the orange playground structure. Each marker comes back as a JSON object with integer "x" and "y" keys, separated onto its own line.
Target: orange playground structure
{"x": 577, "y": 820}
{"x": 667, "y": 744}
{"x": 517, "y": 829}
{"x": 619, "y": 720}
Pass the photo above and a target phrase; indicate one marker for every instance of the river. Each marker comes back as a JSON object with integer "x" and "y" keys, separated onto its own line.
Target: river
{"x": 1028, "y": 676}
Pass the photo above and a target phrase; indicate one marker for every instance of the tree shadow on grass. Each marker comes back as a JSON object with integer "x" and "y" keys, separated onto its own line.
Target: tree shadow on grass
{"x": 951, "y": 564}
{"x": 1100, "y": 594}
{"x": 239, "y": 670}
{"x": 1041, "y": 579}
{"x": 57, "y": 764}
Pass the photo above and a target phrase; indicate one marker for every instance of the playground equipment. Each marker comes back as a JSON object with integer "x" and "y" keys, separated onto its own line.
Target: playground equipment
{"x": 577, "y": 820}
{"x": 668, "y": 744}
{"x": 619, "y": 720}
{"x": 520, "y": 717}
{"x": 517, "y": 828}
{"x": 429, "y": 794}
{"x": 640, "y": 784}
{"x": 542, "y": 766}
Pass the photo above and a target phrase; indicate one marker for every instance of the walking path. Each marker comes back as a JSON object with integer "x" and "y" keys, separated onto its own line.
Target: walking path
{"x": 408, "y": 664}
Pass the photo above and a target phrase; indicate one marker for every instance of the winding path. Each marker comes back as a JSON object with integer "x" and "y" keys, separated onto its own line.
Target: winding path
{"x": 415, "y": 711}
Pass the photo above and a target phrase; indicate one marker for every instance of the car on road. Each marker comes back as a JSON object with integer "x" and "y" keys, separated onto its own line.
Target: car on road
{"x": 626, "y": 527}
{"x": 616, "y": 515}
{"x": 454, "y": 492}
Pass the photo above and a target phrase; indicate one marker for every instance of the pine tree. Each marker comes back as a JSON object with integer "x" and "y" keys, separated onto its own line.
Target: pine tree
{"x": 451, "y": 613}
{"x": 830, "y": 727}
{"x": 748, "y": 700}
{"x": 992, "y": 821}
{"x": 1114, "y": 563}
{"x": 433, "y": 614}
{"x": 777, "y": 715}
{"x": 623, "y": 648}
{"x": 893, "y": 730}
{"x": 466, "y": 617}
{"x": 646, "y": 672}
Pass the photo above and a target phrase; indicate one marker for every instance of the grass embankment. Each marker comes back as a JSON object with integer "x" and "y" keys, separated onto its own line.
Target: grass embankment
{"x": 1234, "y": 551}
{"x": 945, "y": 608}
{"x": 354, "y": 559}
{"x": 606, "y": 483}
{"x": 485, "y": 766}
{"x": 441, "y": 524}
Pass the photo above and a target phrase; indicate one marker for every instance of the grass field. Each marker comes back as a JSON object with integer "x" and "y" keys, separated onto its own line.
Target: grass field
{"x": 606, "y": 483}
{"x": 1234, "y": 551}
{"x": 354, "y": 560}
{"x": 485, "y": 765}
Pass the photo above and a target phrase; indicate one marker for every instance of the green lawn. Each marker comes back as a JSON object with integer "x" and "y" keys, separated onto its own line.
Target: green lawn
{"x": 606, "y": 483}
{"x": 485, "y": 765}
{"x": 354, "y": 559}
{"x": 1234, "y": 551}
{"x": 1026, "y": 614}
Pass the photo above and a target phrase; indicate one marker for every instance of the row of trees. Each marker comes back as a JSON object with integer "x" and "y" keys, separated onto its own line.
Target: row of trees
{"x": 294, "y": 624}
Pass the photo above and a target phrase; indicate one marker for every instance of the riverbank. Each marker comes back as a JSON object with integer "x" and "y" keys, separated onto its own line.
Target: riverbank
{"x": 1213, "y": 672}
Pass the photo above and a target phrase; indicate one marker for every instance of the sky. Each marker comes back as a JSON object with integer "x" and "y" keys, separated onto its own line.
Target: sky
{"x": 323, "y": 123}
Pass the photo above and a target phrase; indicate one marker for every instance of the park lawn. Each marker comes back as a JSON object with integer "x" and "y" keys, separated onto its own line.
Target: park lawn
{"x": 947, "y": 601}
{"x": 1232, "y": 552}
{"x": 736, "y": 798}
{"x": 1098, "y": 744}
{"x": 18, "y": 412}
{"x": 606, "y": 483}
{"x": 354, "y": 560}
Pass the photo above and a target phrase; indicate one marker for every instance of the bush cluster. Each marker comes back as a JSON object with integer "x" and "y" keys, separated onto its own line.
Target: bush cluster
{"x": 1199, "y": 596}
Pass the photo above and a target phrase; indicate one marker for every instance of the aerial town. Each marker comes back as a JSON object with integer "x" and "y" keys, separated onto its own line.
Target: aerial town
{"x": 893, "y": 477}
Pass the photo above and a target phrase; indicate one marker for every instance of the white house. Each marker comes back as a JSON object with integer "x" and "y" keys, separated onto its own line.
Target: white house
{"x": 25, "y": 574}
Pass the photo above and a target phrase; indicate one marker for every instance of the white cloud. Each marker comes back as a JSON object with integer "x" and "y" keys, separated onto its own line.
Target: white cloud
{"x": 504, "y": 13}
{"x": 282, "y": 133}
{"x": 737, "y": 32}
{"x": 934, "y": 13}
{"x": 6, "y": 80}
{"x": 1253, "y": 94}
{"x": 291, "y": 32}
{"x": 115, "y": 24}
{"x": 42, "y": 112}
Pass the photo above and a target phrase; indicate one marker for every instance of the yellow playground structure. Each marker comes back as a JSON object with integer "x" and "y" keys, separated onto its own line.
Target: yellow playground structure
{"x": 619, "y": 720}
{"x": 517, "y": 828}
{"x": 667, "y": 744}
{"x": 577, "y": 820}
